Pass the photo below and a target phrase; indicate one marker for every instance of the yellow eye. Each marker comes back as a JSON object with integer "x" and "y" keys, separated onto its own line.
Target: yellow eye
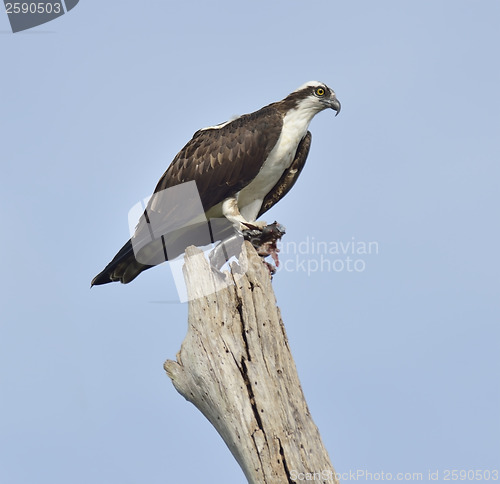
{"x": 320, "y": 91}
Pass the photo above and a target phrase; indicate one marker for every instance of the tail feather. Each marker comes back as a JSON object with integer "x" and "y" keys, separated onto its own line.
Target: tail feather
{"x": 124, "y": 268}
{"x": 128, "y": 264}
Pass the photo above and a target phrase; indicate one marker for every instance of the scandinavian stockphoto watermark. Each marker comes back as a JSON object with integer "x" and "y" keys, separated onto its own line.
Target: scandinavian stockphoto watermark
{"x": 31, "y": 13}
{"x": 311, "y": 255}
{"x": 365, "y": 475}
{"x": 163, "y": 225}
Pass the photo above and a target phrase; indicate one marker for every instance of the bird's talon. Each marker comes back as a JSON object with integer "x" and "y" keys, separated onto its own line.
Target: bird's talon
{"x": 257, "y": 225}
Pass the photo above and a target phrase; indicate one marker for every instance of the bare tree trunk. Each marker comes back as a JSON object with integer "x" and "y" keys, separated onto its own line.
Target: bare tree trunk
{"x": 235, "y": 366}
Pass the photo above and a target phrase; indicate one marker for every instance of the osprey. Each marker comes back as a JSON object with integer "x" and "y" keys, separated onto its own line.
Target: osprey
{"x": 241, "y": 168}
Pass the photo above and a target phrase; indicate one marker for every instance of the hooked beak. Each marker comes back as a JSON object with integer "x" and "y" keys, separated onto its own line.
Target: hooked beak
{"x": 334, "y": 104}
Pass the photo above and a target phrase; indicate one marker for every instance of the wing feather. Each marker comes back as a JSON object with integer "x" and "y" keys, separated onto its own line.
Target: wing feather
{"x": 223, "y": 160}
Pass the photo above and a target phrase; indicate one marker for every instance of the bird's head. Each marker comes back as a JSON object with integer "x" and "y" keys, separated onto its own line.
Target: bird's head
{"x": 314, "y": 96}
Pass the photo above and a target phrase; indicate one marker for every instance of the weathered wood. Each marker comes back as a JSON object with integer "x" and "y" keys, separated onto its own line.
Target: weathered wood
{"x": 235, "y": 366}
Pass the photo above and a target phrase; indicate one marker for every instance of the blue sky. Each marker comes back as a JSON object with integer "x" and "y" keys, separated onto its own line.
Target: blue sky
{"x": 399, "y": 362}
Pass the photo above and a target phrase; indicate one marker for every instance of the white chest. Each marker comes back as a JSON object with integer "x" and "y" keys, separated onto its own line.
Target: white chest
{"x": 295, "y": 125}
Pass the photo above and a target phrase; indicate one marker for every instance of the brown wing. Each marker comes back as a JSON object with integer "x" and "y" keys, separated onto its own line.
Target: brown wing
{"x": 222, "y": 161}
{"x": 289, "y": 177}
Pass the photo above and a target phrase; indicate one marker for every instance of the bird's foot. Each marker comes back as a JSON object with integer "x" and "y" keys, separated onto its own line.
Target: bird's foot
{"x": 264, "y": 241}
{"x": 257, "y": 225}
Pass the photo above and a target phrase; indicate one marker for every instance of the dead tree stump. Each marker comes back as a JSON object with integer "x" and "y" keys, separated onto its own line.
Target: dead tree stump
{"x": 235, "y": 366}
